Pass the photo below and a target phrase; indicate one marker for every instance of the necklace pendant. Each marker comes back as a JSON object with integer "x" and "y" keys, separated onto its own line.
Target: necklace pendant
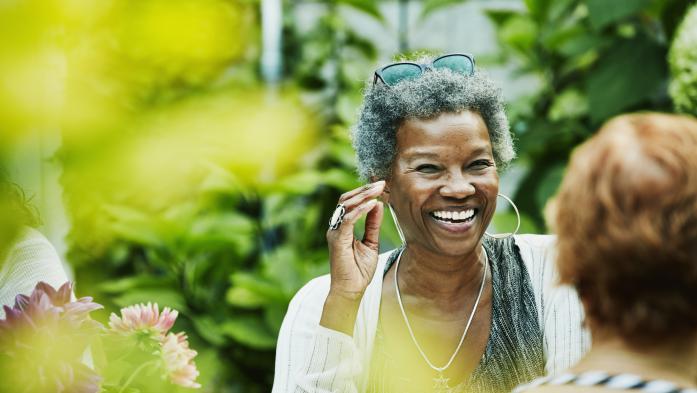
{"x": 440, "y": 384}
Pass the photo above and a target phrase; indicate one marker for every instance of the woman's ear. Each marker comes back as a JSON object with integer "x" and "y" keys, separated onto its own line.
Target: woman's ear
{"x": 385, "y": 196}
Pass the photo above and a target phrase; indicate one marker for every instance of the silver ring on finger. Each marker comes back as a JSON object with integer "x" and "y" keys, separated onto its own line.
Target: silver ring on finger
{"x": 337, "y": 217}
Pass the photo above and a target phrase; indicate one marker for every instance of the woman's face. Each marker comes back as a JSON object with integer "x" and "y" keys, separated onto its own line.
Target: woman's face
{"x": 444, "y": 183}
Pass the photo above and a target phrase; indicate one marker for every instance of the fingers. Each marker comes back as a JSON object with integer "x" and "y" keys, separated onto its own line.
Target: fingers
{"x": 344, "y": 234}
{"x": 372, "y": 226}
{"x": 366, "y": 187}
{"x": 357, "y": 202}
{"x": 356, "y": 197}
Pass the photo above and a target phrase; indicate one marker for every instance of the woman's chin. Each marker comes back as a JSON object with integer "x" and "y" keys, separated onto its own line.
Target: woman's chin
{"x": 455, "y": 238}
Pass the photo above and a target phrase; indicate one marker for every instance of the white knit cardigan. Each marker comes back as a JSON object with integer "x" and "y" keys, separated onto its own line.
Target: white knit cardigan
{"x": 31, "y": 259}
{"x": 311, "y": 358}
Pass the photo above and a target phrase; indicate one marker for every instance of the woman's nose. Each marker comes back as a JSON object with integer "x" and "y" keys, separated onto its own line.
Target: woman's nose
{"x": 457, "y": 186}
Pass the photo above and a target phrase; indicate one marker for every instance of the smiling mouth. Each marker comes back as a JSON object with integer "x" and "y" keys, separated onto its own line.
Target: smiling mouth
{"x": 454, "y": 217}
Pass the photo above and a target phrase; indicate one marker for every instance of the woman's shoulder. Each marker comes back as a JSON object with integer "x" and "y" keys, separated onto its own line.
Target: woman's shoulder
{"x": 537, "y": 252}
{"x": 32, "y": 258}
{"x": 534, "y": 242}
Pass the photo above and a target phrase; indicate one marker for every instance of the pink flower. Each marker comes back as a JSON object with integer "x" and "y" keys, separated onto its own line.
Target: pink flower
{"x": 42, "y": 340}
{"x": 140, "y": 317}
{"x": 178, "y": 360}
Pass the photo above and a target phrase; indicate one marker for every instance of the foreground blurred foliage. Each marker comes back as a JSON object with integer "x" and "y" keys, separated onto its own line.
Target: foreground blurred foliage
{"x": 192, "y": 184}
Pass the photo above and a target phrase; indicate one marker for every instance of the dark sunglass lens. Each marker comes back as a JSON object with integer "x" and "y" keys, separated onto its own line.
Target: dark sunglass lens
{"x": 396, "y": 73}
{"x": 457, "y": 63}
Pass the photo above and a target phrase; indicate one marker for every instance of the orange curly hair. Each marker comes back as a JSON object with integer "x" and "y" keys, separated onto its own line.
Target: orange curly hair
{"x": 626, "y": 216}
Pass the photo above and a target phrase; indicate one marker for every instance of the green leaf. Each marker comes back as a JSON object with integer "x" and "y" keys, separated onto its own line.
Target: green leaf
{"x": 519, "y": 32}
{"x": 130, "y": 283}
{"x": 210, "y": 330}
{"x": 163, "y": 297}
{"x": 250, "y": 331}
{"x": 571, "y": 103}
{"x": 303, "y": 182}
{"x": 220, "y": 180}
{"x": 431, "y": 6}
{"x": 134, "y": 225}
{"x": 233, "y": 229}
{"x": 245, "y": 298}
{"x": 341, "y": 179}
{"x": 604, "y": 12}
{"x": 367, "y": 6}
{"x": 538, "y": 9}
{"x": 631, "y": 72}
{"x": 500, "y": 17}
{"x": 259, "y": 286}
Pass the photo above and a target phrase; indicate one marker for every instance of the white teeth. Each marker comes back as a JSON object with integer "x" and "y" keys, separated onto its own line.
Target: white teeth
{"x": 467, "y": 214}
{"x": 454, "y": 215}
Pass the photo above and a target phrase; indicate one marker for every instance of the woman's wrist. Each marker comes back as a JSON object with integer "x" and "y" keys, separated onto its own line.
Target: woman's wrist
{"x": 340, "y": 311}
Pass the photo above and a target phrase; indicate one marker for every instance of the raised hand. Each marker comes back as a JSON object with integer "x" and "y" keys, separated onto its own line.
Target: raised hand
{"x": 353, "y": 261}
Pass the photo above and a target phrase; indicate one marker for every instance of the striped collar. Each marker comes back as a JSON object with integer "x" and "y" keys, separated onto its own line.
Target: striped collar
{"x": 603, "y": 379}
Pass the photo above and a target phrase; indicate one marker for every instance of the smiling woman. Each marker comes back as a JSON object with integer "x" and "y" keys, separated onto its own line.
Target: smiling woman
{"x": 451, "y": 310}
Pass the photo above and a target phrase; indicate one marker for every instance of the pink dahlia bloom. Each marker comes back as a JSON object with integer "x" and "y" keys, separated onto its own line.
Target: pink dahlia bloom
{"x": 141, "y": 317}
{"x": 178, "y": 360}
{"x": 42, "y": 340}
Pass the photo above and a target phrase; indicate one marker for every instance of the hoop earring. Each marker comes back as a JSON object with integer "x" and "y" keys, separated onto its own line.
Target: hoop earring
{"x": 507, "y": 235}
{"x": 396, "y": 224}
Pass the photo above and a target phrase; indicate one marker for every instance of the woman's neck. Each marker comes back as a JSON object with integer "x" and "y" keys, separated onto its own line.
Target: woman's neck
{"x": 425, "y": 274}
{"x": 676, "y": 362}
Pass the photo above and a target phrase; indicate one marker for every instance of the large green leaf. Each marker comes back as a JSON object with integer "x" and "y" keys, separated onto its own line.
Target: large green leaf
{"x": 250, "y": 331}
{"x": 631, "y": 72}
{"x": 604, "y": 12}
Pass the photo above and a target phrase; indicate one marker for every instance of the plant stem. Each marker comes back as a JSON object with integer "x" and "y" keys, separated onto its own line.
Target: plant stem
{"x": 135, "y": 373}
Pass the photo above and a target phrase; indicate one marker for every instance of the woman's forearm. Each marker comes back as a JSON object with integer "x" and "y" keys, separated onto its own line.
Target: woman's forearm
{"x": 340, "y": 311}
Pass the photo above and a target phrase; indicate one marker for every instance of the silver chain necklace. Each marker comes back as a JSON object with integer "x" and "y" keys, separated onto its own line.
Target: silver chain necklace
{"x": 440, "y": 382}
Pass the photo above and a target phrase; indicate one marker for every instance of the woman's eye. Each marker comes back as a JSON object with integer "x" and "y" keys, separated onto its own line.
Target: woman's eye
{"x": 427, "y": 168}
{"x": 480, "y": 164}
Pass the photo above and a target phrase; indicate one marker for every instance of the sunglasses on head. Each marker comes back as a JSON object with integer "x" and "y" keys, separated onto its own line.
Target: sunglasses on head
{"x": 397, "y": 72}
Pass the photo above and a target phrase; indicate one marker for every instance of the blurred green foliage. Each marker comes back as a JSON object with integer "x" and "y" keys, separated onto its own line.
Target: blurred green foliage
{"x": 683, "y": 65}
{"x": 593, "y": 59}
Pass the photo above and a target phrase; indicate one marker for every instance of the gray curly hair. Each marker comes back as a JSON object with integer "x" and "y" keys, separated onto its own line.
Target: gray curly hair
{"x": 436, "y": 91}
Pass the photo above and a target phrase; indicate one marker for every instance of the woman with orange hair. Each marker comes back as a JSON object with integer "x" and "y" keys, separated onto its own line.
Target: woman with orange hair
{"x": 626, "y": 217}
